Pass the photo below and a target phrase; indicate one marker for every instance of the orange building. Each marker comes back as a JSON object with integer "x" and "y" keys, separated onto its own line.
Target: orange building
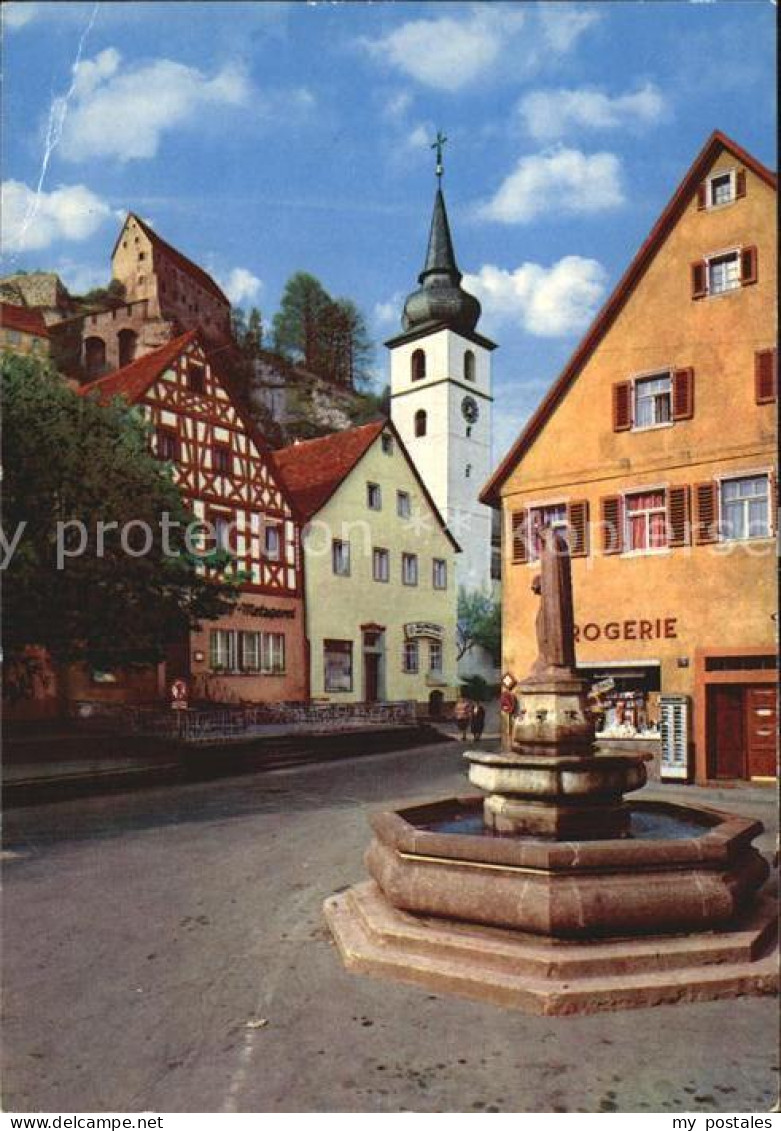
{"x": 655, "y": 450}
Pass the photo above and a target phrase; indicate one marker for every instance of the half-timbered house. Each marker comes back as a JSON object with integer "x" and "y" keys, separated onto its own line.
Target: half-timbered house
{"x": 224, "y": 471}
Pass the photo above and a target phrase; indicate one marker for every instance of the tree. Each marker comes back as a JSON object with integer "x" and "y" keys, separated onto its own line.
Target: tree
{"x": 297, "y": 324}
{"x": 479, "y": 623}
{"x": 106, "y": 297}
{"x": 69, "y": 459}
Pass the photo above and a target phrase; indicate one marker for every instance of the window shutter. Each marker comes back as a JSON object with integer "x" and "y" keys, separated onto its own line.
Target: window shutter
{"x": 748, "y": 265}
{"x": 699, "y": 279}
{"x": 679, "y": 516}
{"x": 519, "y": 535}
{"x": 577, "y": 524}
{"x": 702, "y": 195}
{"x": 766, "y": 376}
{"x": 622, "y": 406}
{"x": 773, "y": 482}
{"x": 683, "y": 394}
{"x": 740, "y": 183}
{"x": 612, "y": 532}
{"x": 707, "y": 513}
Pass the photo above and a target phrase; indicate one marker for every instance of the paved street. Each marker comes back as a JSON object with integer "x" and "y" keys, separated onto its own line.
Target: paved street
{"x": 148, "y": 935}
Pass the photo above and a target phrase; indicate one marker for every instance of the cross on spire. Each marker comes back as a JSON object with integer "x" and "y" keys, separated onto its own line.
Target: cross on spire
{"x": 438, "y": 144}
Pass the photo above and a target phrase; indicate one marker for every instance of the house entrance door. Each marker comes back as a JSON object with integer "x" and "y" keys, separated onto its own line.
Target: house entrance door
{"x": 761, "y": 730}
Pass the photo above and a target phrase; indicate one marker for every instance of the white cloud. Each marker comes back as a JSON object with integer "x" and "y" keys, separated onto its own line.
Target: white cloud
{"x": 121, "y": 111}
{"x": 550, "y": 114}
{"x": 397, "y": 105}
{"x": 546, "y": 302}
{"x": 80, "y": 277}
{"x": 446, "y": 52}
{"x": 241, "y": 286}
{"x": 562, "y": 181}
{"x": 563, "y": 25}
{"x": 33, "y": 221}
{"x": 389, "y": 313}
{"x": 16, "y": 14}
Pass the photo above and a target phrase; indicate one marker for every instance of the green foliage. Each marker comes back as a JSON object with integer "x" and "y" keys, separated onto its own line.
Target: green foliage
{"x": 479, "y": 623}
{"x": 476, "y": 688}
{"x": 68, "y": 458}
{"x": 104, "y": 297}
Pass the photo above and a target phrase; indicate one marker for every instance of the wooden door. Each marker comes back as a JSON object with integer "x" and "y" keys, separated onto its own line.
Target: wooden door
{"x": 371, "y": 666}
{"x": 726, "y": 726}
{"x": 761, "y": 730}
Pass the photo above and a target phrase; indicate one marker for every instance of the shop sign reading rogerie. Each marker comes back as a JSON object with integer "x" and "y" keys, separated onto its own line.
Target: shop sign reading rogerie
{"x": 423, "y": 628}
{"x": 662, "y": 628}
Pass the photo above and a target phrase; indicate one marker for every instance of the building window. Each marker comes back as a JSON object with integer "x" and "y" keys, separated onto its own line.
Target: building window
{"x": 745, "y": 508}
{"x": 249, "y": 651}
{"x": 653, "y": 400}
{"x": 440, "y": 573}
{"x": 272, "y": 543}
{"x": 380, "y": 564}
{"x": 469, "y": 366}
{"x": 721, "y": 189}
{"x": 13, "y": 337}
{"x": 468, "y": 431}
{"x": 141, "y": 255}
{"x": 223, "y": 531}
{"x": 340, "y": 557}
{"x": 222, "y": 459}
{"x": 272, "y": 655}
{"x": 418, "y": 365}
{"x": 373, "y": 497}
{"x": 222, "y": 650}
{"x": 403, "y": 504}
{"x": 468, "y": 471}
{"x": 646, "y": 521}
{"x": 409, "y": 569}
{"x": 723, "y": 273}
{"x": 410, "y": 657}
{"x": 196, "y": 377}
{"x": 421, "y": 422}
{"x": 554, "y": 516}
{"x": 435, "y": 656}
{"x": 338, "y": 665}
{"x": 167, "y": 444}
{"x": 387, "y": 443}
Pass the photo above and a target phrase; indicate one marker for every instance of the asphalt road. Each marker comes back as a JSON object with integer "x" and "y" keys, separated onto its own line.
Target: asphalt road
{"x": 149, "y": 936}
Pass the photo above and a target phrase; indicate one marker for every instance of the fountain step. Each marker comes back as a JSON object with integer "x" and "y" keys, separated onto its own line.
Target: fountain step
{"x": 550, "y": 976}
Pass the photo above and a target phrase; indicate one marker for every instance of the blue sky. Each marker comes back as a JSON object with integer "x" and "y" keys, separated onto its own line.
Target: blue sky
{"x": 264, "y": 138}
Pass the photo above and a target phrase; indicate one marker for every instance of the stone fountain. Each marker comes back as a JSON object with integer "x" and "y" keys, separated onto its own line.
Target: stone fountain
{"x": 550, "y": 892}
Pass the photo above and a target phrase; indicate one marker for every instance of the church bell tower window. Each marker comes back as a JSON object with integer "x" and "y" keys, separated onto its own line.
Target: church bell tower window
{"x": 418, "y": 365}
{"x": 421, "y": 422}
{"x": 469, "y": 366}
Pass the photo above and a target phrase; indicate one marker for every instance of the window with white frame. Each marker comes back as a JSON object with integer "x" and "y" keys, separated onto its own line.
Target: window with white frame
{"x": 435, "y": 656}
{"x": 338, "y": 665}
{"x": 653, "y": 400}
{"x": 745, "y": 507}
{"x": 249, "y": 651}
{"x": 403, "y": 504}
{"x": 645, "y": 521}
{"x": 410, "y": 657}
{"x": 721, "y": 188}
{"x": 723, "y": 273}
{"x": 273, "y": 653}
{"x": 222, "y": 650}
{"x": 380, "y": 564}
{"x": 272, "y": 542}
{"x": 373, "y": 497}
{"x": 223, "y": 530}
{"x": 340, "y": 557}
{"x": 440, "y": 573}
{"x": 409, "y": 569}
{"x": 553, "y": 515}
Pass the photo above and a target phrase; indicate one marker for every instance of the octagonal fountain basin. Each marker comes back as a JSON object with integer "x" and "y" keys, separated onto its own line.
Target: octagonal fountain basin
{"x": 678, "y": 868}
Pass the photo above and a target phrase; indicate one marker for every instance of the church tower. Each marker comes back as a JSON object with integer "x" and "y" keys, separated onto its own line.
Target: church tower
{"x": 441, "y": 399}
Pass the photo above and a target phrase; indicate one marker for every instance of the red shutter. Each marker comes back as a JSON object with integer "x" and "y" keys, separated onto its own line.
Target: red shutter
{"x": 612, "y": 531}
{"x": 683, "y": 394}
{"x": 577, "y": 525}
{"x": 622, "y": 406}
{"x": 707, "y": 513}
{"x": 519, "y": 521}
{"x": 702, "y": 195}
{"x": 766, "y": 376}
{"x": 740, "y": 183}
{"x": 748, "y": 265}
{"x": 699, "y": 279}
{"x": 679, "y": 516}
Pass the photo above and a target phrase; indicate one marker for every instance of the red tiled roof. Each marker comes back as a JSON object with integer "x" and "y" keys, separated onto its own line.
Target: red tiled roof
{"x": 615, "y": 303}
{"x": 133, "y": 380}
{"x": 313, "y": 469}
{"x": 180, "y": 260}
{"x": 23, "y": 319}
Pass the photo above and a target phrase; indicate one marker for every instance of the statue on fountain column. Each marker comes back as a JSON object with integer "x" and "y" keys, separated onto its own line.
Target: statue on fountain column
{"x": 555, "y": 619}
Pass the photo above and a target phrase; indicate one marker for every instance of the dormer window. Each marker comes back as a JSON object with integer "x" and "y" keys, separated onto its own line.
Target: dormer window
{"x": 418, "y": 365}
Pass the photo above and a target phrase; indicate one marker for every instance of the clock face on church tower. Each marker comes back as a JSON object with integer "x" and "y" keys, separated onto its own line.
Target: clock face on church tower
{"x": 470, "y": 410}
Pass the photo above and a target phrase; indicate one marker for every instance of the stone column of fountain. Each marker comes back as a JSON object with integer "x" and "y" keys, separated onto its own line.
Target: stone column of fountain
{"x": 555, "y": 783}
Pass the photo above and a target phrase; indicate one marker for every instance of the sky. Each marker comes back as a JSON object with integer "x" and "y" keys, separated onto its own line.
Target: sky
{"x": 263, "y": 139}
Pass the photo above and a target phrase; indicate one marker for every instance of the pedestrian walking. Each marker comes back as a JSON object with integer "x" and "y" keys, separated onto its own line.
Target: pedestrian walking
{"x": 463, "y": 715}
{"x": 477, "y": 721}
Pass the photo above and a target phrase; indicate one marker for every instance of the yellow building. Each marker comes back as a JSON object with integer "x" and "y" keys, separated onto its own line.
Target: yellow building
{"x": 23, "y": 331}
{"x": 655, "y": 449}
{"x": 379, "y": 570}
